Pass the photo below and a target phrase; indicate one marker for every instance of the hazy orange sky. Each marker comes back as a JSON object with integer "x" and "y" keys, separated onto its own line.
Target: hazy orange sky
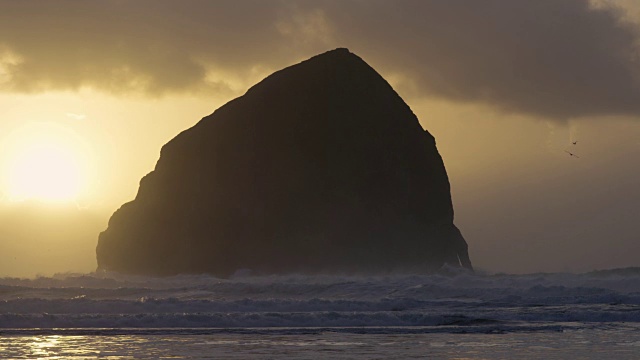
{"x": 96, "y": 88}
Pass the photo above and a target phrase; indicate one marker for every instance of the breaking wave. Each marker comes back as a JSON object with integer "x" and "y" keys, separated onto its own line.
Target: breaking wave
{"x": 452, "y": 301}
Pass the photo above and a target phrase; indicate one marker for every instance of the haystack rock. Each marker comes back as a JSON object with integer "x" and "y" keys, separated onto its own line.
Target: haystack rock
{"x": 321, "y": 167}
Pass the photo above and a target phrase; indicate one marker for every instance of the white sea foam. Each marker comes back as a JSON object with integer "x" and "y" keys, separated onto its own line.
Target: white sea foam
{"x": 457, "y": 300}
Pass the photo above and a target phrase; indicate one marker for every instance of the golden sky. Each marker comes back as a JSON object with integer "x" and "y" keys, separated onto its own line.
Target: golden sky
{"x": 96, "y": 88}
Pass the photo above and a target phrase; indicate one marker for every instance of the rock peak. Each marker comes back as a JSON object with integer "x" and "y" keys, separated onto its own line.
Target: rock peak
{"x": 338, "y": 52}
{"x": 335, "y": 57}
{"x": 327, "y": 62}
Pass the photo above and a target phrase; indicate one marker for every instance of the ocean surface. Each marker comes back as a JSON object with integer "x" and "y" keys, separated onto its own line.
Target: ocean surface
{"x": 452, "y": 315}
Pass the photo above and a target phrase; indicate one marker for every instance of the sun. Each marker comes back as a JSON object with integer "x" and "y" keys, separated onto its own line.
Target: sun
{"x": 44, "y": 165}
{"x": 46, "y": 172}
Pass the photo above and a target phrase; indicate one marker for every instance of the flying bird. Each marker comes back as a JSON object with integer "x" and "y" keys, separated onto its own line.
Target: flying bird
{"x": 572, "y": 154}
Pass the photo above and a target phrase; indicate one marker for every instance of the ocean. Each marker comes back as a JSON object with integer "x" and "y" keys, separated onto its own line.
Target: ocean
{"x": 451, "y": 315}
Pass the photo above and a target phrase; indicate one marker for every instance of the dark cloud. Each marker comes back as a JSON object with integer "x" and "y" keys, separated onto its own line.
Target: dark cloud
{"x": 554, "y": 58}
{"x": 121, "y": 46}
{"x": 559, "y": 59}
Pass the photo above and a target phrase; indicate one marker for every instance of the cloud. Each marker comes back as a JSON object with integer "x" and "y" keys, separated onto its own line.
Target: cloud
{"x": 556, "y": 59}
{"x": 154, "y": 47}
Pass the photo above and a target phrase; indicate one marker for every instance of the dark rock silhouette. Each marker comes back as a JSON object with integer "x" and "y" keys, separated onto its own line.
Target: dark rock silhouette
{"x": 321, "y": 167}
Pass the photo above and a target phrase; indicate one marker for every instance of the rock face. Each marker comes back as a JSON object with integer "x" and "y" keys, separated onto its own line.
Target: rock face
{"x": 321, "y": 167}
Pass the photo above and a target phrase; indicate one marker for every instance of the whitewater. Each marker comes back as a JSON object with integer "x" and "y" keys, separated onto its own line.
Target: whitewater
{"x": 453, "y": 314}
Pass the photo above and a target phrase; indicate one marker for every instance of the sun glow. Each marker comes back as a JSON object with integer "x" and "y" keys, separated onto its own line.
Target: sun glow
{"x": 44, "y": 164}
